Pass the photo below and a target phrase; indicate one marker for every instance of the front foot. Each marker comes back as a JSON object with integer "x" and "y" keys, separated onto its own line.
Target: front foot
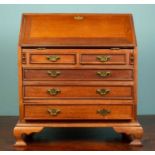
{"x": 19, "y": 133}
{"x": 135, "y": 132}
{"x": 136, "y": 142}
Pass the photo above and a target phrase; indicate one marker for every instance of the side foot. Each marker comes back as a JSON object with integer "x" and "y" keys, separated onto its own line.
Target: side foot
{"x": 19, "y": 133}
{"x": 135, "y": 132}
{"x": 136, "y": 142}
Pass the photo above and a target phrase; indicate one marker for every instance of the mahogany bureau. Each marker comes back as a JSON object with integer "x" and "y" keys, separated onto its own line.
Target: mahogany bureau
{"x": 77, "y": 70}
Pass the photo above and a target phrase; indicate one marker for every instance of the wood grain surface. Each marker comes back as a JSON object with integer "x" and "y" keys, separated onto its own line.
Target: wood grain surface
{"x": 76, "y": 139}
{"x": 90, "y": 59}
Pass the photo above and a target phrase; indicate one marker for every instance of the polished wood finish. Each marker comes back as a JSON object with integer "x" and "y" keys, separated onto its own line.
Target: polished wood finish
{"x": 114, "y": 58}
{"x": 86, "y": 56}
{"x": 42, "y": 59}
{"x": 85, "y": 92}
{"x": 77, "y": 139}
{"x": 136, "y": 133}
{"x": 75, "y": 101}
{"x": 77, "y": 30}
{"x": 82, "y": 73}
{"x": 18, "y": 132}
{"x": 77, "y": 74}
{"x": 78, "y": 112}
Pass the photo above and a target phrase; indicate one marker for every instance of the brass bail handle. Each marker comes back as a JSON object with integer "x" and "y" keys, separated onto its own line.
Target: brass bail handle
{"x": 54, "y": 91}
{"x": 103, "y": 112}
{"x": 104, "y": 73}
{"x": 54, "y": 112}
{"x": 53, "y": 73}
{"x": 103, "y": 58}
{"x": 53, "y": 58}
{"x": 102, "y": 92}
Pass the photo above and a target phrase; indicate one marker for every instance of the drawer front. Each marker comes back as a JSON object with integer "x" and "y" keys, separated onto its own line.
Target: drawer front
{"x": 77, "y": 74}
{"x": 102, "y": 59}
{"x": 52, "y": 59}
{"x": 78, "y": 112}
{"x": 105, "y": 57}
{"x": 86, "y": 92}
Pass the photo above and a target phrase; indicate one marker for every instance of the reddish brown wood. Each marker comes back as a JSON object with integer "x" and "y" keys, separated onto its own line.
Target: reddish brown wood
{"x": 42, "y": 59}
{"x": 85, "y": 102}
{"x": 74, "y": 139}
{"x": 78, "y": 30}
{"x": 79, "y": 112}
{"x": 73, "y": 56}
{"x": 20, "y": 92}
{"x": 77, "y": 74}
{"x": 78, "y": 43}
{"x": 136, "y": 134}
{"x": 116, "y": 59}
{"x": 19, "y": 132}
{"x": 78, "y": 92}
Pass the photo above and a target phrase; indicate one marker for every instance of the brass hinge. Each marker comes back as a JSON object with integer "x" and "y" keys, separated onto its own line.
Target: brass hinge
{"x": 115, "y": 48}
{"x": 40, "y": 48}
{"x": 131, "y": 58}
{"x": 23, "y": 58}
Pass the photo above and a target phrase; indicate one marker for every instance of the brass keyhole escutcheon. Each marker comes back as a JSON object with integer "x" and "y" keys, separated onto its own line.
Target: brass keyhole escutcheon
{"x": 103, "y": 73}
{"x": 78, "y": 17}
{"x": 103, "y": 58}
{"x": 103, "y": 112}
{"x": 102, "y": 92}
{"x": 53, "y": 73}
{"x": 54, "y": 91}
{"x": 53, "y": 58}
{"x": 54, "y": 112}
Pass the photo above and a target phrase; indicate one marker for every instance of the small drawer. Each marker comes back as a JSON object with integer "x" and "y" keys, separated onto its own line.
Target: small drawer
{"x": 52, "y": 59}
{"x": 105, "y": 57}
{"x": 77, "y": 92}
{"x": 51, "y": 56}
{"x": 77, "y": 74}
{"x": 78, "y": 112}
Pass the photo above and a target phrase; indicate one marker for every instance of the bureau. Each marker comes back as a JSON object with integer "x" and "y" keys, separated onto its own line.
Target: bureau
{"x": 77, "y": 70}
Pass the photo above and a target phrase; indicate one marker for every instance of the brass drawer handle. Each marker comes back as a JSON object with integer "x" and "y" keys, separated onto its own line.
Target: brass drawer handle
{"x": 53, "y": 73}
{"x": 103, "y": 112}
{"x": 53, "y": 58}
{"x": 54, "y": 91}
{"x": 103, "y": 73}
{"x": 103, "y": 58}
{"x": 54, "y": 112}
{"x": 102, "y": 91}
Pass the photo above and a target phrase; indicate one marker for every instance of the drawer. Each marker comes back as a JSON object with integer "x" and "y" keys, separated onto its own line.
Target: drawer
{"x": 76, "y": 91}
{"x": 78, "y": 112}
{"x": 50, "y": 56}
{"x": 77, "y": 74}
{"x": 52, "y": 59}
{"x": 105, "y": 57}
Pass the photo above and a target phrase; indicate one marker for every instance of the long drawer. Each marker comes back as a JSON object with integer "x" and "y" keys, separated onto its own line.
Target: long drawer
{"x": 77, "y": 74}
{"x": 77, "y": 91}
{"x": 78, "y": 112}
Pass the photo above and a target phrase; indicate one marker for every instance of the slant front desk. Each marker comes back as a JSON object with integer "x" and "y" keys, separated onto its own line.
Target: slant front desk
{"x": 77, "y": 70}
